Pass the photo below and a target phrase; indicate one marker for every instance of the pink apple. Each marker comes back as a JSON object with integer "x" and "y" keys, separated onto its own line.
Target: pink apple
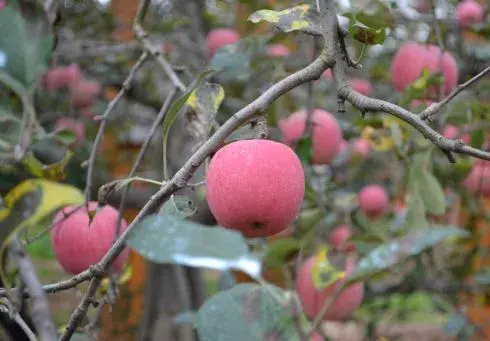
{"x": 362, "y": 86}
{"x": 373, "y": 200}
{"x": 278, "y": 50}
{"x": 469, "y": 12}
{"x": 326, "y": 138}
{"x": 412, "y": 57}
{"x": 313, "y": 300}
{"x": 77, "y": 127}
{"x": 451, "y": 132}
{"x": 255, "y": 186}
{"x": 78, "y": 243}
{"x": 220, "y": 37}
{"x": 478, "y": 180}
{"x": 84, "y": 93}
{"x": 61, "y": 77}
{"x": 361, "y": 148}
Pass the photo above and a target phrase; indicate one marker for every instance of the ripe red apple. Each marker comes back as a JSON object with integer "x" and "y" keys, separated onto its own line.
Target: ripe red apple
{"x": 339, "y": 236}
{"x": 326, "y": 138}
{"x": 451, "y": 132}
{"x": 278, "y": 50}
{"x": 167, "y": 47}
{"x": 373, "y": 200}
{"x": 286, "y": 233}
{"x": 77, "y": 244}
{"x": 361, "y": 148}
{"x": 220, "y": 37}
{"x": 362, "y": 86}
{"x": 422, "y": 6}
{"x": 77, "y": 127}
{"x": 412, "y": 57}
{"x": 469, "y": 12}
{"x": 61, "y": 77}
{"x": 478, "y": 180}
{"x": 3, "y": 4}
{"x": 84, "y": 92}
{"x": 313, "y": 300}
{"x": 255, "y": 186}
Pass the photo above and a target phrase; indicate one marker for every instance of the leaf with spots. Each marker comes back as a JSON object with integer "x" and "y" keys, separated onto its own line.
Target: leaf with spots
{"x": 249, "y": 312}
{"x": 385, "y": 256}
{"x": 168, "y": 239}
{"x": 180, "y": 206}
{"x": 205, "y": 102}
{"x": 327, "y": 269}
{"x": 303, "y": 18}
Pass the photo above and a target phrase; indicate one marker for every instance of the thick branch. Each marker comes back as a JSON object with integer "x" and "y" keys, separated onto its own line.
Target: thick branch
{"x": 41, "y": 314}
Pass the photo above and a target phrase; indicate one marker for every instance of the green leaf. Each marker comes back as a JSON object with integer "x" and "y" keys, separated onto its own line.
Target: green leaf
{"x": 169, "y": 239}
{"x": 65, "y": 136}
{"x": 180, "y": 206}
{"x": 304, "y": 149}
{"x": 431, "y": 191}
{"x": 400, "y": 249}
{"x": 173, "y": 111}
{"x": 248, "y": 312}
{"x": 302, "y": 18}
{"x": 367, "y": 29}
{"x": 477, "y": 138}
{"x": 26, "y": 49}
{"x": 234, "y": 62}
{"x": 281, "y": 251}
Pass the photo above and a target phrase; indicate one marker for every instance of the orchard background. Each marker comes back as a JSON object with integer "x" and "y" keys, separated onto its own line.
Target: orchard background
{"x": 245, "y": 170}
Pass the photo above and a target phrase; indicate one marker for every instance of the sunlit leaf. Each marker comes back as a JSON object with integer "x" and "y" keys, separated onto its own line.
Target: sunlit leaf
{"x": 170, "y": 239}
{"x": 400, "y": 249}
{"x": 54, "y": 171}
{"x": 366, "y": 28}
{"x": 249, "y": 312}
{"x": 302, "y": 18}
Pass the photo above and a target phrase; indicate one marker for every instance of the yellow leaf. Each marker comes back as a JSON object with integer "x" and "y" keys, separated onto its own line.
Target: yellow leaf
{"x": 124, "y": 278}
{"x": 323, "y": 272}
{"x": 28, "y": 203}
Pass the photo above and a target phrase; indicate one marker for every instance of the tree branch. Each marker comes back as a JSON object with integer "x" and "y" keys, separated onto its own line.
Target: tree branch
{"x": 41, "y": 314}
{"x": 100, "y": 133}
{"x": 436, "y": 107}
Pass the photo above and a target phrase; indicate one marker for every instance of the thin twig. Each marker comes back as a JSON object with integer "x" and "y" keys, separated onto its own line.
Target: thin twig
{"x": 157, "y": 54}
{"x": 326, "y": 306}
{"x": 41, "y": 314}
{"x": 51, "y": 10}
{"x": 436, "y": 107}
{"x": 100, "y": 133}
{"x": 158, "y": 121}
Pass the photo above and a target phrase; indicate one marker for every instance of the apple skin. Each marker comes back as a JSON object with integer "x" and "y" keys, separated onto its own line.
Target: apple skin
{"x": 77, "y": 127}
{"x": 477, "y": 181}
{"x": 452, "y": 132}
{"x": 361, "y": 148}
{"x": 220, "y": 37}
{"x": 469, "y": 12}
{"x": 61, "y": 77}
{"x": 255, "y": 186}
{"x": 327, "y": 135}
{"x": 277, "y": 50}
{"x": 362, "y": 86}
{"x": 78, "y": 245}
{"x": 313, "y": 300}
{"x": 373, "y": 201}
{"x": 84, "y": 92}
{"x": 412, "y": 57}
